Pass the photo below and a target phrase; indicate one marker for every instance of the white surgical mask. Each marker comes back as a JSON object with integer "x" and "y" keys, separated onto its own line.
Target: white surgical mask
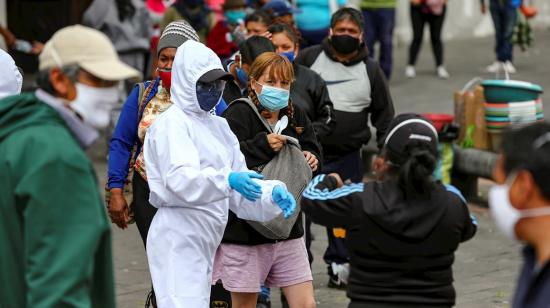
{"x": 94, "y": 105}
{"x": 505, "y": 215}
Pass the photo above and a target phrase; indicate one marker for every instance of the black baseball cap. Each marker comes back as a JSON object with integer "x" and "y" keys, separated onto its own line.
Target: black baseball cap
{"x": 407, "y": 130}
{"x": 216, "y": 74}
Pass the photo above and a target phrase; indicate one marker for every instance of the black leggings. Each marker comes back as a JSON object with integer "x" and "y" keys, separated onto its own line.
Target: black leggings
{"x": 143, "y": 210}
{"x": 419, "y": 18}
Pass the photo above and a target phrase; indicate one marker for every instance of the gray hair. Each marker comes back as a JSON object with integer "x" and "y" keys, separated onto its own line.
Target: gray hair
{"x": 43, "y": 77}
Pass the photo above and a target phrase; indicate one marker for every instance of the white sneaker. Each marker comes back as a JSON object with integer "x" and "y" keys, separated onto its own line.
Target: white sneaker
{"x": 442, "y": 72}
{"x": 410, "y": 72}
{"x": 495, "y": 67}
{"x": 510, "y": 67}
{"x": 342, "y": 271}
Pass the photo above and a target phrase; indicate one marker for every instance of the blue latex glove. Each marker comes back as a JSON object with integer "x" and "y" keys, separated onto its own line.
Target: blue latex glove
{"x": 242, "y": 182}
{"x": 284, "y": 200}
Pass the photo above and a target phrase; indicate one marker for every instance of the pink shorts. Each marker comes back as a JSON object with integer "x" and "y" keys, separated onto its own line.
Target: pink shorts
{"x": 244, "y": 268}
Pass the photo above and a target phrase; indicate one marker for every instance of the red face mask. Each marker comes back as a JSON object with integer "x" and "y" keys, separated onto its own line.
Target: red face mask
{"x": 165, "y": 77}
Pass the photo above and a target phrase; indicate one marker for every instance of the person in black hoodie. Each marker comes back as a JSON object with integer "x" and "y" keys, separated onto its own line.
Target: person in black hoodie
{"x": 403, "y": 229}
{"x": 246, "y": 258}
{"x": 358, "y": 89}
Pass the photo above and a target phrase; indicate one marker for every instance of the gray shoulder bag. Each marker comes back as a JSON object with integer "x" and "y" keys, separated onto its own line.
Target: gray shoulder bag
{"x": 290, "y": 167}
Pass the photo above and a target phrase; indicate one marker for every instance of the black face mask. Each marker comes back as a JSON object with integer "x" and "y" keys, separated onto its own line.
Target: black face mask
{"x": 344, "y": 44}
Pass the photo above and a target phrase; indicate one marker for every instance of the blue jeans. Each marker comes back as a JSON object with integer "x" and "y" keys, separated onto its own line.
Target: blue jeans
{"x": 504, "y": 18}
{"x": 350, "y": 167}
{"x": 379, "y": 24}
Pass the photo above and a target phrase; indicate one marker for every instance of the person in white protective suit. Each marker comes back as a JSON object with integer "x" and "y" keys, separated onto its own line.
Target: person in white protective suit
{"x": 11, "y": 81}
{"x": 196, "y": 173}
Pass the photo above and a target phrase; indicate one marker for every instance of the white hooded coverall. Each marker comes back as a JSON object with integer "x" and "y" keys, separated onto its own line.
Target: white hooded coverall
{"x": 189, "y": 154}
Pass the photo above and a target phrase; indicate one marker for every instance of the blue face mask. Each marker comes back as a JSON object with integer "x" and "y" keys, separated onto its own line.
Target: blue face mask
{"x": 234, "y": 16}
{"x": 242, "y": 77}
{"x": 289, "y": 55}
{"x": 209, "y": 94}
{"x": 272, "y": 98}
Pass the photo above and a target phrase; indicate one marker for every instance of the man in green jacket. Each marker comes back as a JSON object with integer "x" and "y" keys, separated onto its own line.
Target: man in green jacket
{"x": 55, "y": 241}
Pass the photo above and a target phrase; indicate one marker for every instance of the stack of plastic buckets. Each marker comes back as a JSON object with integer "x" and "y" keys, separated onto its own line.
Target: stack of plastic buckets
{"x": 508, "y": 103}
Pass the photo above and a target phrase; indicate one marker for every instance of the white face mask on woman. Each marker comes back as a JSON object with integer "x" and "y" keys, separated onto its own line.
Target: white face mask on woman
{"x": 506, "y": 216}
{"x": 94, "y": 105}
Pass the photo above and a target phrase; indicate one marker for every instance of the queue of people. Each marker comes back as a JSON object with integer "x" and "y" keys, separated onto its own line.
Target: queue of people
{"x": 199, "y": 143}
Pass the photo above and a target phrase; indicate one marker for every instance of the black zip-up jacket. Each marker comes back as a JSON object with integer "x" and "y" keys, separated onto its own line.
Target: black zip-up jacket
{"x": 401, "y": 251}
{"x": 352, "y": 130}
{"x": 252, "y": 136}
{"x": 309, "y": 92}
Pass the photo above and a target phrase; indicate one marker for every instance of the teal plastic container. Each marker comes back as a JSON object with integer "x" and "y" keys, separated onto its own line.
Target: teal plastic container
{"x": 509, "y": 91}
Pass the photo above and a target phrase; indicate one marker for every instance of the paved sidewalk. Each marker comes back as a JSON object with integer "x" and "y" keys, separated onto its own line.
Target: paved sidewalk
{"x": 485, "y": 268}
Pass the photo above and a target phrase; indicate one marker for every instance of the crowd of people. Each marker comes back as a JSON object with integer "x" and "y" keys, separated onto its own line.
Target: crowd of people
{"x": 249, "y": 129}
{"x": 135, "y": 27}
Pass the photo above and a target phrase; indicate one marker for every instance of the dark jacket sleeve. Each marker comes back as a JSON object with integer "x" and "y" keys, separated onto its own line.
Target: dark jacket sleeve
{"x": 469, "y": 220}
{"x": 329, "y": 206}
{"x": 122, "y": 141}
{"x": 253, "y": 144}
{"x": 308, "y": 138}
{"x": 381, "y": 109}
{"x": 470, "y": 225}
{"x": 324, "y": 109}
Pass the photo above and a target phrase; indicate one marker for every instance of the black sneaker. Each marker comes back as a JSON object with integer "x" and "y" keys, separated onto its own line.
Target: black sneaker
{"x": 334, "y": 282}
{"x": 151, "y": 300}
{"x": 263, "y": 302}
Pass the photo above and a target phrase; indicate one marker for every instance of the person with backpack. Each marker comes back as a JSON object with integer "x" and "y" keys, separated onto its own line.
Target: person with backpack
{"x": 197, "y": 173}
{"x": 146, "y": 101}
{"x": 403, "y": 228}
{"x": 358, "y": 89}
{"x": 277, "y": 139}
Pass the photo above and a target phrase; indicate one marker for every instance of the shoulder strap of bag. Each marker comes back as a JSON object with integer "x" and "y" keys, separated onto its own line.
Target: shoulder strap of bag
{"x": 143, "y": 97}
{"x": 251, "y": 105}
{"x": 290, "y": 140}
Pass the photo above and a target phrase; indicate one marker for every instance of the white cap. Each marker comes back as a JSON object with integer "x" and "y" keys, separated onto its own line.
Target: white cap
{"x": 90, "y": 49}
{"x": 11, "y": 81}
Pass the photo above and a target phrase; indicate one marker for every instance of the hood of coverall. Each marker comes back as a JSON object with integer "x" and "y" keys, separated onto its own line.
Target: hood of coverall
{"x": 11, "y": 81}
{"x": 193, "y": 59}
